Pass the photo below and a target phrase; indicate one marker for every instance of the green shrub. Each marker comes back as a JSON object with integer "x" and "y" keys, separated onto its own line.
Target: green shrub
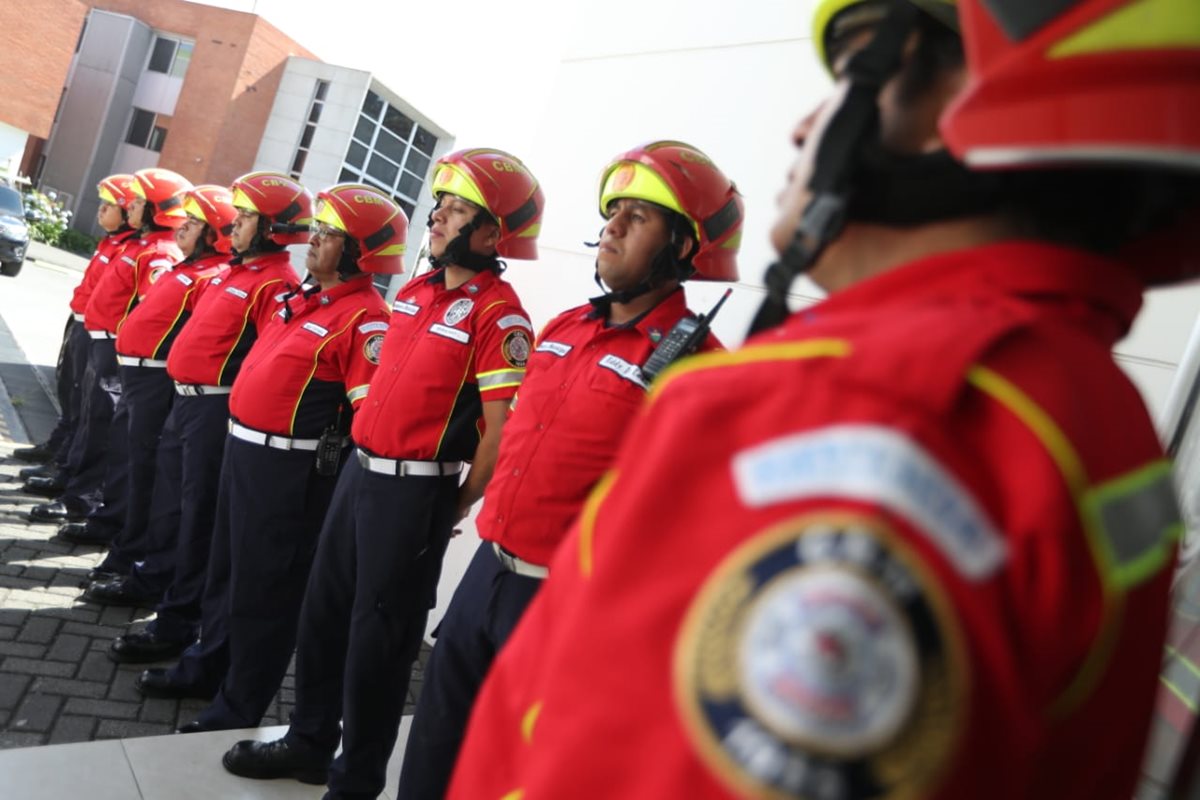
{"x": 77, "y": 242}
{"x": 48, "y": 217}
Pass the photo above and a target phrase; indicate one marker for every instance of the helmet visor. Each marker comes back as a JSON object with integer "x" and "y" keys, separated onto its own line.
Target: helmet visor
{"x": 450, "y": 179}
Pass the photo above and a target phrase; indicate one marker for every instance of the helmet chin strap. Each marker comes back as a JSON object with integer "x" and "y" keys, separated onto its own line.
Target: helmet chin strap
{"x": 665, "y": 267}
{"x": 458, "y": 250}
{"x": 854, "y": 123}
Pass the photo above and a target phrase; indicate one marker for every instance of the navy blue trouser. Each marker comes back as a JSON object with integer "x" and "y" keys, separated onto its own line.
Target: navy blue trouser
{"x": 485, "y": 608}
{"x": 146, "y": 398}
{"x": 363, "y": 618}
{"x": 89, "y": 444}
{"x": 182, "y": 510}
{"x": 269, "y": 514}
{"x": 72, "y": 360}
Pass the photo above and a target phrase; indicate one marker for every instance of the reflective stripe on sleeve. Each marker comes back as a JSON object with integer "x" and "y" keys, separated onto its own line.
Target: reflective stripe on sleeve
{"x": 357, "y": 393}
{"x": 500, "y": 378}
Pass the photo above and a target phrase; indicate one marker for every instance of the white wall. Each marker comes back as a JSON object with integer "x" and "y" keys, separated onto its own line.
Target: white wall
{"x": 12, "y": 148}
{"x": 732, "y": 80}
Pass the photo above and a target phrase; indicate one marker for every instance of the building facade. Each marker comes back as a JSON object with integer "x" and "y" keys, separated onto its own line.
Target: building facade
{"x": 212, "y": 94}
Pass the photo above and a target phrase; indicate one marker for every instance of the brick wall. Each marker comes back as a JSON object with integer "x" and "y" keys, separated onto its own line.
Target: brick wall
{"x": 37, "y": 41}
{"x": 228, "y": 91}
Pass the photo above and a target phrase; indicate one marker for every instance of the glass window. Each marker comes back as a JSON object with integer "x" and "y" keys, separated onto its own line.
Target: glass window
{"x": 376, "y": 184}
{"x": 372, "y": 105}
{"x": 410, "y": 184}
{"x": 322, "y": 88}
{"x": 298, "y": 161}
{"x": 348, "y": 176}
{"x": 307, "y": 137}
{"x": 408, "y": 207}
{"x": 383, "y": 169}
{"x": 314, "y": 113}
{"x": 417, "y": 162}
{"x": 425, "y": 141}
{"x": 157, "y": 137}
{"x": 397, "y": 123}
{"x": 183, "y": 57}
{"x": 390, "y": 146}
{"x": 161, "y": 56}
{"x": 356, "y": 154}
{"x": 140, "y": 127}
{"x": 364, "y": 130}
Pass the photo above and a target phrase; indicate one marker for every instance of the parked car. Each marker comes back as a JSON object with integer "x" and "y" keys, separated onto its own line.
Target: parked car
{"x": 14, "y": 233}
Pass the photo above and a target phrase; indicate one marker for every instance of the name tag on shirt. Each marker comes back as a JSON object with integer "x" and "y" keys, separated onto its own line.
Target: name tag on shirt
{"x": 405, "y": 308}
{"x": 557, "y": 348}
{"x": 313, "y": 327}
{"x": 630, "y": 372}
{"x": 184, "y": 279}
{"x": 371, "y": 327}
{"x": 236, "y": 292}
{"x": 450, "y": 333}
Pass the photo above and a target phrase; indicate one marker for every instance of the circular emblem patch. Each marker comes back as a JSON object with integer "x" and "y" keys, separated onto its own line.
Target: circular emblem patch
{"x": 458, "y": 311}
{"x": 516, "y": 348}
{"x": 372, "y": 347}
{"x": 820, "y": 661}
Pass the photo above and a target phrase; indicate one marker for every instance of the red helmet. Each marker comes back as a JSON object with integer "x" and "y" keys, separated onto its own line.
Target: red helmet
{"x": 501, "y": 185}
{"x": 279, "y": 198}
{"x": 165, "y": 190}
{"x": 214, "y": 206}
{"x": 1090, "y": 83}
{"x": 117, "y": 189}
{"x": 680, "y": 177}
{"x": 372, "y": 219}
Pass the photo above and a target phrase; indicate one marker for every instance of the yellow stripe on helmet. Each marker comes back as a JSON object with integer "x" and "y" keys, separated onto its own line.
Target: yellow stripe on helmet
{"x": 1144, "y": 25}
{"x": 450, "y": 179}
{"x": 242, "y": 200}
{"x": 631, "y": 179}
{"x": 327, "y": 214}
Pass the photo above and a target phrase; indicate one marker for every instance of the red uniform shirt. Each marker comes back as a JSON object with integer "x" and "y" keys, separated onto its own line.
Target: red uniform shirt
{"x": 309, "y": 361}
{"x": 108, "y": 247}
{"x": 152, "y": 326}
{"x": 126, "y": 279}
{"x": 916, "y": 542}
{"x": 231, "y": 309}
{"x": 447, "y": 351}
{"x": 579, "y": 394}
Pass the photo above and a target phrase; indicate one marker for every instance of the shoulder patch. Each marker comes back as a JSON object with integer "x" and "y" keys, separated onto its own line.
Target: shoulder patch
{"x": 371, "y": 327}
{"x": 879, "y": 465}
{"x": 514, "y": 321}
{"x": 516, "y": 347}
{"x": 821, "y": 660}
{"x": 372, "y": 348}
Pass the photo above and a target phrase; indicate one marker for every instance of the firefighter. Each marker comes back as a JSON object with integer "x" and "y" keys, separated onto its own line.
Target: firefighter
{"x": 917, "y": 540}
{"x": 290, "y": 409}
{"x": 452, "y": 359}
{"x": 670, "y": 216}
{"x": 143, "y": 342}
{"x": 273, "y": 211}
{"x": 157, "y": 211}
{"x": 116, "y": 195}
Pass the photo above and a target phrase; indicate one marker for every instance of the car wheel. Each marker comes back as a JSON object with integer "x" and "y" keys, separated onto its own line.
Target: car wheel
{"x": 11, "y": 268}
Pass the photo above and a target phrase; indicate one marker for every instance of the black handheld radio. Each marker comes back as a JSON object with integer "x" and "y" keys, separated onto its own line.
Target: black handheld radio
{"x": 682, "y": 340}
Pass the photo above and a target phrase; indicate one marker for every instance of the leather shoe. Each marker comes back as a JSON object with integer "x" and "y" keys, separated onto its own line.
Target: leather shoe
{"x": 194, "y": 726}
{"x": 83, "y": 533}
{"x": 38, "y": 452}
{"x": 119, "y": 592}
{"x": 40, "y": 471}
{"x": 157, "y": 682}
{"x": 62, "y": 510}
{"x": 99, "y": 575}
{"x": 143, "y": 646}
{"x": 46, "y": 486}
{"x": 278, "y": 759}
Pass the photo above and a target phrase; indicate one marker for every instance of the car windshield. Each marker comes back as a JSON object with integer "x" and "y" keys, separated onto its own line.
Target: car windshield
{"x": 10, "y": 202}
